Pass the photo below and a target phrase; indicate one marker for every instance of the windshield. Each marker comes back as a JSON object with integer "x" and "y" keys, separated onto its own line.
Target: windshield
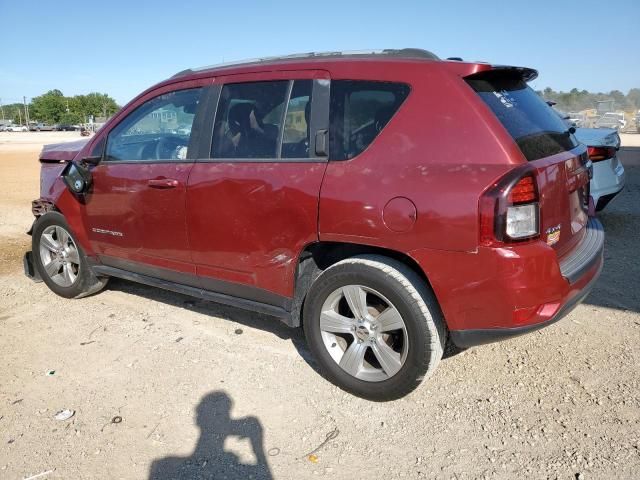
{"x": 536, "y": 128}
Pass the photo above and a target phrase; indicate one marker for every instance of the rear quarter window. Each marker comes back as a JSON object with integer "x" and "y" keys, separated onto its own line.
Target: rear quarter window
{"x": 358, "y": 113}
{"x": 535, "y": 127}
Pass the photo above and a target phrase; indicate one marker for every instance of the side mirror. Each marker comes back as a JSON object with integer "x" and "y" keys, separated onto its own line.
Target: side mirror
{"x": 77, "y": 178}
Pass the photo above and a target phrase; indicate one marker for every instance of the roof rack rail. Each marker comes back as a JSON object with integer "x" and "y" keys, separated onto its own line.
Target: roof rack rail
{"x": 416, "y": 53}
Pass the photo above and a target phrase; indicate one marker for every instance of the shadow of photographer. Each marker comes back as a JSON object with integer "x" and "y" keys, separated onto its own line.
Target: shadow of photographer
{"x": 209, "y": 458}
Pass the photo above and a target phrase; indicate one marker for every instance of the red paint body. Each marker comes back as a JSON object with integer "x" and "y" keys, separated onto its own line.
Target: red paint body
{"x": 248, "y": 223}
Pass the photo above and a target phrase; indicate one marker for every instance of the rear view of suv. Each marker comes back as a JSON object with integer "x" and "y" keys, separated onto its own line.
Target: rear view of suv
{"x": 387, "y": 202}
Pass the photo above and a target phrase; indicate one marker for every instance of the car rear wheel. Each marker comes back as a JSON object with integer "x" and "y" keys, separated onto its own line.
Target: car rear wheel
{"x": 374, "y": 327}
{"x": 60, "y": 261}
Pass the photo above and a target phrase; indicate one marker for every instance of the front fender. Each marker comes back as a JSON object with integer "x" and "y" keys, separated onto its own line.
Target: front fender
{"x": 70, "y": 205}
{"x": 58, "y": 197}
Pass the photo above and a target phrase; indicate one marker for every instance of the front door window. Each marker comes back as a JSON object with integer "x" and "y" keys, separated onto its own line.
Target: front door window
{"x": 158, "y": 130}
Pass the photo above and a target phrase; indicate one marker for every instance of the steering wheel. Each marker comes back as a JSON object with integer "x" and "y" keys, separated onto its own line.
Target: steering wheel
{"x": 166, "y": 148}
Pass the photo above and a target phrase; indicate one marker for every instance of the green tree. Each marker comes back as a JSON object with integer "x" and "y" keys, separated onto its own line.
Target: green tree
{"x": 11, "y": 112}
{"x": 576, "y": 100}
{"x": 53, "y": 107}
{"x": 97, "y": 104}
{"x": 634, "y": 98}
{"x": 71, "y": 118}
{"x": 48, "y": 107}
{"x": 620, "y": 99}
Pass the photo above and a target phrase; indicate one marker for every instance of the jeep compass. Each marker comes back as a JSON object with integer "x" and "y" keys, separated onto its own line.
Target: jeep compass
{"x": 389, "y": 203}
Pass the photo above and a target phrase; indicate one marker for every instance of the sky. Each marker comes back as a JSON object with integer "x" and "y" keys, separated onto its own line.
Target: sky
{"x": 123, "y": 47}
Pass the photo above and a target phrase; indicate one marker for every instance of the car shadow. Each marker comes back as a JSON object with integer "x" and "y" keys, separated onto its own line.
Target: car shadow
{"x": 246, "y": 318}
{"x": 210, "y": 459}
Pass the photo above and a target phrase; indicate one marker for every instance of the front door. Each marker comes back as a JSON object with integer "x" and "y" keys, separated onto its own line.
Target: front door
{"x": 252, "y": 206}
{"x": 136, "y": 207}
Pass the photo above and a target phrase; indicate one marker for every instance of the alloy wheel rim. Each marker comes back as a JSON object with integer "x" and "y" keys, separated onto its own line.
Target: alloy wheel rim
{"x": 364, "y": 333}
{"x": 59, "y": 255}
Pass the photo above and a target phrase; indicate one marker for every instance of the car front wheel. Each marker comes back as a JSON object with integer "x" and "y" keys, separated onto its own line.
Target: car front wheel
{"x": 374, "y": 327}
{"x": 60, "y": 261}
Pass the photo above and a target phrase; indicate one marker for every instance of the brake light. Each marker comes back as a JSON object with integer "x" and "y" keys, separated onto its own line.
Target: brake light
{"x": 524, "y": 191}
{"x": 510, "y": 210}
{"x": 597, "y": 154}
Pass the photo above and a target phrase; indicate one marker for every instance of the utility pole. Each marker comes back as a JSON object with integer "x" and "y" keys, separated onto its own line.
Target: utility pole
{"x": 20, "y": 115}
{"x": 26, "y": 111}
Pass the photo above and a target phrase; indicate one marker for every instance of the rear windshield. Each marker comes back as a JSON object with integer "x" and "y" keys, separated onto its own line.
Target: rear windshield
{"x": 536, "y": 128}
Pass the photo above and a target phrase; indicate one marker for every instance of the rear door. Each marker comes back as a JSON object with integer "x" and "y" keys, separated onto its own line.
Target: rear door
{"x": 252, "y": 197}
{"x": 136, "y": 208}
{"x": 546, "y": 142}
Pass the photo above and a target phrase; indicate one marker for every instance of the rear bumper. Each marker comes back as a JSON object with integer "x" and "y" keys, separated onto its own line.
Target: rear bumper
{"x": 608, "y": 180}
{"x": 604, "y": 200}
{"x": 472, "y": 338}
{"x": 587, "y": 253}
{"x": 501, "y": 293}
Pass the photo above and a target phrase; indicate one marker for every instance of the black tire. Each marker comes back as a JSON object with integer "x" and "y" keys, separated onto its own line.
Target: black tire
{"x": 85, "y": 283}
{"x": 411, "y": 297}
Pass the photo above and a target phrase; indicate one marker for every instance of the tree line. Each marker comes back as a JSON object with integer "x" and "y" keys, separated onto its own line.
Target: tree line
{"x": 54, "y": 108}
{"x": 576, "y": 100}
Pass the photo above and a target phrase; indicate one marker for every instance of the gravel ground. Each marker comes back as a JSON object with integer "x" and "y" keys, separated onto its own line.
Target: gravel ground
{"x": 164, "y": 386}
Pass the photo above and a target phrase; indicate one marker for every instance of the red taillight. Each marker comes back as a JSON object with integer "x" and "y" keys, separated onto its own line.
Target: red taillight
{"x": 509, "y": 210}
{"x": 597, "y": 154}
{"x": 523, "y": 192}
{"x": 487, "y": 209}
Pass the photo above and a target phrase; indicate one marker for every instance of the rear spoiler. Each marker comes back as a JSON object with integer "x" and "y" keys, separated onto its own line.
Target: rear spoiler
{"x": 527, "y": 74}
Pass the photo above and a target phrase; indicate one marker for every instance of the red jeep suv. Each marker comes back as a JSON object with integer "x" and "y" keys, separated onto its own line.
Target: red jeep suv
{"x": 388, "y": 202}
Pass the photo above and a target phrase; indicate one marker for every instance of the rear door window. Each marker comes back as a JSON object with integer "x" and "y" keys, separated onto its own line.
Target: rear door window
{"x": 359, "y": 112}
{"x": 263, "y": 120}
{"x": 295, "y": 139}
{"x": 536, "y": 128}
{"x": 249, "y": 119}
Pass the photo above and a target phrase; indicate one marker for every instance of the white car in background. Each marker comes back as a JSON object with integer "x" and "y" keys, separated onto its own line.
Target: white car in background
{"x": 602, "y": 146}
{"x": 608, "y": 173}
{"x": 15, "y": 128}
{"x": 613, "y": 120}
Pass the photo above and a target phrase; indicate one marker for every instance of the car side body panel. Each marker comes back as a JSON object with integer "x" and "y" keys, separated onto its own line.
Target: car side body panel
{"x": 248, "y": 222}
{"x": 249, "y": 219}
{"x": 129, "y": 219}
{"x": 421, "y": 158}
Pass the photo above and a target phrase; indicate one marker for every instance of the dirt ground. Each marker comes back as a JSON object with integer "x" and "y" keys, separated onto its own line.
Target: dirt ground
{"x": 164, "y": 386}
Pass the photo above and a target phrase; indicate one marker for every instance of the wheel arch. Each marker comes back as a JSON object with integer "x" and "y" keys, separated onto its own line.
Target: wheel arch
{"x": 318, "y": 256}
{"x": 67, "y": 205}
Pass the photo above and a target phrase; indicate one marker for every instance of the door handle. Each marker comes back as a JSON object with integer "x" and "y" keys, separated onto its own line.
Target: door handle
{"x": 162, "y": 183}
